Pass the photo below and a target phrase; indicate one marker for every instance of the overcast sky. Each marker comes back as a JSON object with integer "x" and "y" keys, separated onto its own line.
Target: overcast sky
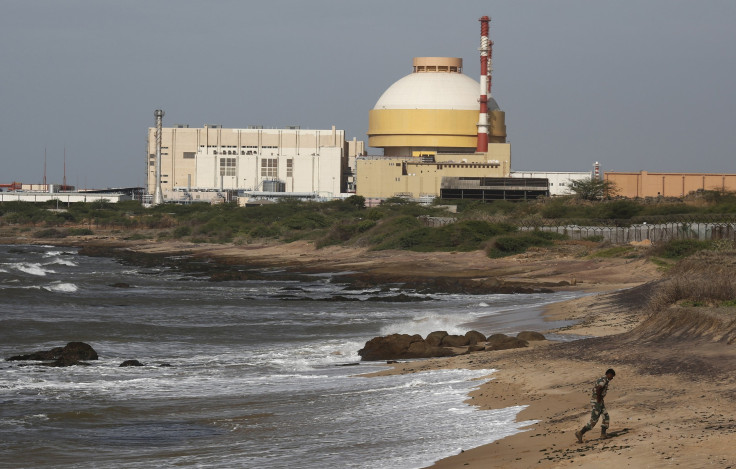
{"x": 634, "y": 84}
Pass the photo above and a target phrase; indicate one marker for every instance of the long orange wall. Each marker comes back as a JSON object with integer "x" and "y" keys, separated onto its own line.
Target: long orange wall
{"x": 644, "y": 184}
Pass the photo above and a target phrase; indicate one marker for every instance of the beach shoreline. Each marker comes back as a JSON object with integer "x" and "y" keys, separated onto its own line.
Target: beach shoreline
{"x": 661, "y": 414}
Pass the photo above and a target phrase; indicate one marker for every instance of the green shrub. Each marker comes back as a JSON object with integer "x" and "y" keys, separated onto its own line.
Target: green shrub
{"x": 619, "y": 210}
{"x": 679, "y": 248}
{"x": 509, "y": 245}
{"x": 264, "y": 231}
{"x": 137, "y": 237}
{"x": 181, "y": 231}
{"x": 79, "y": 232}
{"x": 307, "y": 221}
{"x": 594, "y": 238}
{"x": 49, "y": 233}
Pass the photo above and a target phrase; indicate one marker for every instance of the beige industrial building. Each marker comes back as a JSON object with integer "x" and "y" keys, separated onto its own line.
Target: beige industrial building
{"x": 427, "y": 125}
{"x": 645, "y": 184}
{"x": 254, "y": 159}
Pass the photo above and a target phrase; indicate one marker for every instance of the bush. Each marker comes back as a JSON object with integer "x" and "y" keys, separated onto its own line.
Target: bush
{"x": 181, "y": 231}
{"x": 49, "y": 233}
{"x": 509, "y": 245}
{"x": 680, "y": 248}
{"x": 79, "y": 232}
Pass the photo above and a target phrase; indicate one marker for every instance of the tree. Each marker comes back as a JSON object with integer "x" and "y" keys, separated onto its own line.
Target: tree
{"x": 593, "y": 189}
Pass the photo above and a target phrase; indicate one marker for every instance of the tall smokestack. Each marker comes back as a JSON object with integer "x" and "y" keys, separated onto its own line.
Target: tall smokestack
{"x": 484, "y": 86}
{"x": 158, "y": 197}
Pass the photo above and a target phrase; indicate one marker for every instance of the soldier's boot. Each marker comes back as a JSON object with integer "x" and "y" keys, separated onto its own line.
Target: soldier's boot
{"x": 604, "y": 435}
{"x": 579, "y": 434}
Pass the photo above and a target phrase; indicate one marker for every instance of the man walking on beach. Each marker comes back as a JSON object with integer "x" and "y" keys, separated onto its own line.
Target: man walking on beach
{"x": 599, "y": 407}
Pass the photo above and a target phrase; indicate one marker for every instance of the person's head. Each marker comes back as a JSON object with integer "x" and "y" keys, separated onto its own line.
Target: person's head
{"x": 610, "y": 373}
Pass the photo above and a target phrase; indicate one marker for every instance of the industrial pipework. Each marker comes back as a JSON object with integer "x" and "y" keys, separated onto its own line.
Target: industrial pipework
{"x": 485, "y": 85}
{"x": 158, "y": 197}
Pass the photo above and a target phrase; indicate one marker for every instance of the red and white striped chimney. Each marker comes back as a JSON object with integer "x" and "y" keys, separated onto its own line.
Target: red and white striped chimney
{"x": 484, "y": 86}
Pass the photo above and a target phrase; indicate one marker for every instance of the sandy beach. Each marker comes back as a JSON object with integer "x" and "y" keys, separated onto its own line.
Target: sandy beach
{"x": 671, "y": 400}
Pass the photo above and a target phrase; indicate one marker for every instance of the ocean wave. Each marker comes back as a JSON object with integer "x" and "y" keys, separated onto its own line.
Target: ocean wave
{"x": 32, "y": 268}
{"x": 423, "y": 325}
{"x": 60, "y": 261}
{"x": 61, "y": 287}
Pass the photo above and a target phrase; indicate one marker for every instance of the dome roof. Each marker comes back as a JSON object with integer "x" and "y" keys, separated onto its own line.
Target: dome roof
{"x": 433, "y": 90}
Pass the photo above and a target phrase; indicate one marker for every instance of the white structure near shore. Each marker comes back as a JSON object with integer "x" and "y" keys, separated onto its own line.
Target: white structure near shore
{"x": 254, "y": 159}
{"x": 559, "y": 181}
{"x": 64, "y": 197}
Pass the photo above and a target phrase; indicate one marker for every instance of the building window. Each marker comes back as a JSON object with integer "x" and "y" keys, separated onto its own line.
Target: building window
{"x": 290, "y": 168}
{"x": 189, "y": 154}
{"x": 227, "y": 166}
{"x": 269, "y": 167}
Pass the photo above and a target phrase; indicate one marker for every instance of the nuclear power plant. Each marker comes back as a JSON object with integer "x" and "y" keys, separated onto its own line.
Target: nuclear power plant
{"x": 441, "y": 133}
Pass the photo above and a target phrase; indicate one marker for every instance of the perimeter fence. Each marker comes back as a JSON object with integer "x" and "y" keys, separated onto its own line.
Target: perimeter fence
{"x": 654, "y": 229}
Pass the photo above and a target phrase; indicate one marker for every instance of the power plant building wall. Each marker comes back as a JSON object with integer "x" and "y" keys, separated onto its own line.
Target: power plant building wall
{"x": 645, "y": 184}
{"x": 418, "y": 177}
{"x": 216, "y": 158}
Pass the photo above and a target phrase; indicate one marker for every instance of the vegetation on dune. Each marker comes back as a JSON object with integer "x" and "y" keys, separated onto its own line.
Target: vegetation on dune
{"x": 500, "y": 227}
{"x": 702, "y": 279}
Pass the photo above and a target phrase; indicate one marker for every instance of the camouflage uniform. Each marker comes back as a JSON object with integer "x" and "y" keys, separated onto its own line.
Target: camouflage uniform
{"x": 599, "y": 408}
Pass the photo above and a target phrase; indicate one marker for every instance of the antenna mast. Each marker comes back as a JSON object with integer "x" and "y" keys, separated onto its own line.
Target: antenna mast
{"x": 158, "y": 197}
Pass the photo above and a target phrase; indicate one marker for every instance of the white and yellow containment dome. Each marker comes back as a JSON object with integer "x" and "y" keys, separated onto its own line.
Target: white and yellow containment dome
{"x": 435, "y": 108}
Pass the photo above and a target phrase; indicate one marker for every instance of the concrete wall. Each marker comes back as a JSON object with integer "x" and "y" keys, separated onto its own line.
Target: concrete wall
{"x": 645, "y": 184}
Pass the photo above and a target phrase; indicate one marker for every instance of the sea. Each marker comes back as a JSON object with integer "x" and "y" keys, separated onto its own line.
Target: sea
{"x": 260, "y": 373}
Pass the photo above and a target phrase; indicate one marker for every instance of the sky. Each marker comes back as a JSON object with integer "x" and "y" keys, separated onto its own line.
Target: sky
{"x": 634, "y": 84}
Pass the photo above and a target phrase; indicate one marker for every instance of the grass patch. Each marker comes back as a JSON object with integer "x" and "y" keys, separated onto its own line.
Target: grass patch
{"x": 681, "y": 248}
{"x": 79, "y": 232}
{"x": 509, "y": 245}
{"x": 616, "y": 251}
{"x": 702, "y": 279}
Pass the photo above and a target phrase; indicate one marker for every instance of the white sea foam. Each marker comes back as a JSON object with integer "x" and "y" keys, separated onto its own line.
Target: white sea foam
{"x": 32, "y": 268}
{"x": 61, "y": 287}
{"x": 61, "y": 261}
{"x": 423, "y": 325}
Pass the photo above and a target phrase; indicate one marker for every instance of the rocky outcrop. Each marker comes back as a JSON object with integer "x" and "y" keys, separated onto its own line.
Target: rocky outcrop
{"x": 131, "y": 363}
{"x": 74, "y": 353}
{"x": 530, "y": 336}
{"x": 455, "y": 341}
{"x": 504, "y": 342}
{"x": 435, "y": 338}
{"x": 475, "y": 337}
{"x": 401, "y": 346}
{"x": 441, "y": 344}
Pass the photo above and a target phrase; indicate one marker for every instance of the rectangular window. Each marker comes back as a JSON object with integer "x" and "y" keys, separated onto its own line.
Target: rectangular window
{"x": 227, "y": 166}
{"x": 189, "y": 154}
{"x": 290, "y": 168}
{"x": 269, "y": 167}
